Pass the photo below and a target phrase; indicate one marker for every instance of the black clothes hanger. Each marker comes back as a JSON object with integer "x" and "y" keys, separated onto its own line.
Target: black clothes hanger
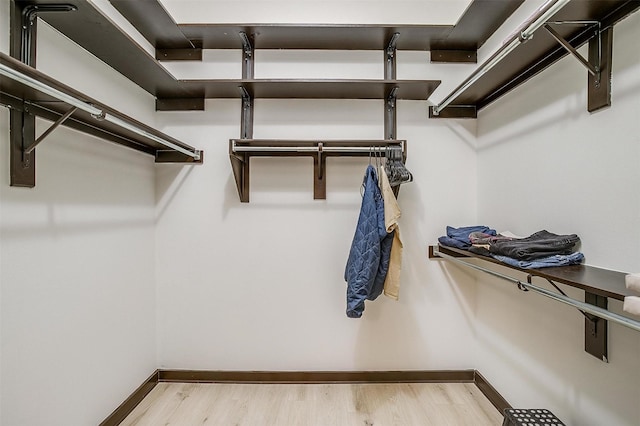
{"x": 395, "y": 168}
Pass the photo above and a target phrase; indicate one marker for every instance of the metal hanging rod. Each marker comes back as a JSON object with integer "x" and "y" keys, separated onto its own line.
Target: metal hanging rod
{"x": 92, "y": 110}
{"x": 586, "y": 307}
{"x": 539, "y": 19}
{"x": 320, "y": 146}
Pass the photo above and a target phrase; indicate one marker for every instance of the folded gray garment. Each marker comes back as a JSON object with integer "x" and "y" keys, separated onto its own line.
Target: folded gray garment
{"x": 480, "y": 238}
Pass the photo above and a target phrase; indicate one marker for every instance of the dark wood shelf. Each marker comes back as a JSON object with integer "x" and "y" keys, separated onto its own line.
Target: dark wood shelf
{"x": 21, "y": 97}
{"x": 335, "y": 37}
{"x": 602, "y": 282}
{"x": 311, "y": 88}
{"x": 478, "y": 22}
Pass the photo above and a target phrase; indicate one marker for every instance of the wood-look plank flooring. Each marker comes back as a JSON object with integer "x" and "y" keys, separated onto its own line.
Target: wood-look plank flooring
{"x": 405, "y": 404}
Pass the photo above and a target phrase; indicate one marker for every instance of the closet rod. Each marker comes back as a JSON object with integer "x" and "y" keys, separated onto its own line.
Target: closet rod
{"x": 307, "y": 149}
{"x": 92, "y": 110}
{"x": 373, "y": 148}
{"x": 586, "y": 307}
{"x": 539, "y": 19}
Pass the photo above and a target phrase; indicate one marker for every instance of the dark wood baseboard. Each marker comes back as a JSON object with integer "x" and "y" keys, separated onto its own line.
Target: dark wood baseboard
{"x": 200, "y": 376}
{"x": 490, "y": 392}
{"x": 132, "y": 402}
{"x": 190, "y": 376}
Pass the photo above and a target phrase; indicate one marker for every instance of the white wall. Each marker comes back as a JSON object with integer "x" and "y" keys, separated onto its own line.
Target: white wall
{"x": 260, "y": 286}
{"x": 77, "y": 307}
{"x": 545, "y": 163}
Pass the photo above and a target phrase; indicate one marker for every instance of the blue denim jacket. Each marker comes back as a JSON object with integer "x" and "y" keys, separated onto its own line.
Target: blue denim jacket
{"x": 370, "y": 252}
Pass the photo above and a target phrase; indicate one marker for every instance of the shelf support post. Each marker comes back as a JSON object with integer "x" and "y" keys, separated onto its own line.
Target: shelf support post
{"x": 22, "y": 124}
{"x": 599, "y": 88}
{"x": 319, "y": 181}
{"x": 247, "y": 56}
{"x": 390, "y": 67}
{"x": 240, "y": 163}
{"x": 390, "y": 58}
{"x": 246, "y": 118}
{"x": 596, "y": 329}
{"x": 390, "y": 119}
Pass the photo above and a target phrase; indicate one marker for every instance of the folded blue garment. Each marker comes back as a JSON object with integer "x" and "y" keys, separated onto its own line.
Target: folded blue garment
{"x": 452, "y": 242}
{"x": 459, "y": 237}
{"x": 543, "y": 262}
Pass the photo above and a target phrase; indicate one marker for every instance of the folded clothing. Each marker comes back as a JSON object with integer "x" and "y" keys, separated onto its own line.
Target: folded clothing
{"x": 632, "y": 305}
{"x": 535, "y": 246}
{"x": 459, "y": 237}
{"x": 543, "y": 262}
{"x": 633, "y": 282}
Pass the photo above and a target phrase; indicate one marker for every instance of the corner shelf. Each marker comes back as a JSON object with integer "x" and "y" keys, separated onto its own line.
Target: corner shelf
{"x": 598, "y": 284}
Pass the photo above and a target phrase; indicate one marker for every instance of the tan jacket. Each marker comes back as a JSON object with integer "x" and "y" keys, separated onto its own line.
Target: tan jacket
{"x": 392, "y": 214}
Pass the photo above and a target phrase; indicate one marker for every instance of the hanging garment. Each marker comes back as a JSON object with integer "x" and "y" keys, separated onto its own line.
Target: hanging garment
{"x": 370, "y": 249}
{"x": 392, "y": 214}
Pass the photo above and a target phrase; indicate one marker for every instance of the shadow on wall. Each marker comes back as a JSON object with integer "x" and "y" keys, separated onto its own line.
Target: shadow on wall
{"x": 169, "y": 179}
{"x": 575, "y": 108}
{"x": 287, "y": 183}
{"x": 76, "y": 192}
{"x": 463, "y": 290}
{"x": 569, "y": 80}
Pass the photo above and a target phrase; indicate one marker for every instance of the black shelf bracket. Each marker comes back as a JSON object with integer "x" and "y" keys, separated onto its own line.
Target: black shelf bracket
{"x": 596, "y": 329}
{"x": 246, "y": 118}
{"x": 390, "y": 58}
{"x": 593, "y": 68}
{"x": 598, "y": 64}
{"x": 247, "y": 56}
{"x": 390, "y": 117}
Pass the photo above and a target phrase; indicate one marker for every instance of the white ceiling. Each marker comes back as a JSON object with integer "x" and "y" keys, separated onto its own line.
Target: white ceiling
{"x": 419, "y": 12}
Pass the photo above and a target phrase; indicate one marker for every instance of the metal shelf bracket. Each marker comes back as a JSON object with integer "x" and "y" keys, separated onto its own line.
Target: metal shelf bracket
{"x": 598, "y": 64}
{"x": 594, "y": 69}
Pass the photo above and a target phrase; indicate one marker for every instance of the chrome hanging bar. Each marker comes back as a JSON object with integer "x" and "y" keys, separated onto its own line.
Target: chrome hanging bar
{"x": 586, "y": 307}
{"x": 539, "y": 19}
{"x": 91, "y": 109}
{"x": 321, "y": 146}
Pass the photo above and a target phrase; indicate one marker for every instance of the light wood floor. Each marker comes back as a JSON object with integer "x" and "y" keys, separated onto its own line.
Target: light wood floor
{"x": 439, "y": 404}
